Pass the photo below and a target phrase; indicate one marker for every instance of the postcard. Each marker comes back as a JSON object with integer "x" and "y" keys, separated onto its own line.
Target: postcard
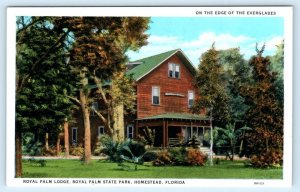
{"x": 149, "y": 96}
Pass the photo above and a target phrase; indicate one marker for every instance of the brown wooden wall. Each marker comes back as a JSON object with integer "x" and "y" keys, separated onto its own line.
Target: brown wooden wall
{"x": 95, "y": 122}
{"x": 168, "y": 104}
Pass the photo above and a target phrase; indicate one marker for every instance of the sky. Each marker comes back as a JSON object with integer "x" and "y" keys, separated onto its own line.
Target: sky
{"x": 195, "y": 35}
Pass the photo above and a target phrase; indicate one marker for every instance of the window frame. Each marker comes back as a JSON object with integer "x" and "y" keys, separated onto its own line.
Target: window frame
{"x": 74, "y": 141}
{"x": 188, "y": 97}
{"x": 152, "y": 95}
{"x": 127, "y": 131}
{"x": 173, "y": 67}
{"x": 99, "y": 130}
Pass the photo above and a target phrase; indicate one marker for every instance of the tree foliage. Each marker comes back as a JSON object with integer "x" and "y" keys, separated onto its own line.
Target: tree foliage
{"x": 209, "y": 80}
{"x": 277, "y": 66}
{"x": 42, "y": 79}
{"x": 97, "y": 55}
{"x": 264, "y": 115}
{"x": 228, "y": 136}
{"x": 236, "y": 73}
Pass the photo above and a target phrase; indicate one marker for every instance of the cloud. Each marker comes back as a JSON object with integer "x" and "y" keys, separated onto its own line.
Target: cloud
{"x": 153, "y": 39}
{"x": 222, "y": 41}
{"x": 272, "y": 43}
{"x": 196, "y": 47}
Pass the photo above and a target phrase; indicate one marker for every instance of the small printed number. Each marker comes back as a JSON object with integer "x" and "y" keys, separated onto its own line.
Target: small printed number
{"x": 259, "y": 183}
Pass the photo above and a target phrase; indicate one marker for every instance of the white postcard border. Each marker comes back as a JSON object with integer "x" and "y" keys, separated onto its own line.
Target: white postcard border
{"x": 285, "y": 12}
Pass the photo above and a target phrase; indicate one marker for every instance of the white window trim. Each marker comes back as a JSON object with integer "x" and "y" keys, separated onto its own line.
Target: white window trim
{"x": 74, "y": 128}
{"x": 154, "y": 87}
{"x": 127, "y": 130}
{"x": 178, "y": 71}
{"x": 170, "y": 64}
{"x": 188, "y": 97}
{"x": 99, "y": 128}
{"x": 173, "y": 66}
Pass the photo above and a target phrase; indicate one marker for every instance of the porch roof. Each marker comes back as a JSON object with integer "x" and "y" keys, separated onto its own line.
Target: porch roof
{"x": 178, "y": 116}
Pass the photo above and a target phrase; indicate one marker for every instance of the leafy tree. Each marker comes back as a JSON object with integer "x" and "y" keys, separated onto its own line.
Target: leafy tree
{"x": 276, "y": 66}
{"x": 119, "y": 97}
{"x": 210, "y": 82}
{"x": 264, "y": 114}
{"x": 236, "y": 73}
{"x": 98, "y": 55}
{"x": 42, "y": 79}
{"x": 229, "y": 135}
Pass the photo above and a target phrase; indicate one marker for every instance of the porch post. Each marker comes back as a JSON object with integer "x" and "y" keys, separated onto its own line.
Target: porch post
{"x": 164, "y": 133}
{"x": 167, "y": 133}
{"x": 191, "y": 129}
{"x": 135, "y": 134}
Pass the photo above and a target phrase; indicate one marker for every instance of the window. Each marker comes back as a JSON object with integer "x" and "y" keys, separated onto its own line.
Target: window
{"x": 74, "y": 135}
{"x": 94, "y": 108}
{"x": 100, "y": 131}
{"x": 190, "y": 99}
{"x": 155, "y": 95}
{"x": 177, "y": 71}
{"x": 129, "y": 131}
{"x": 170, "y": 70}
{"x": 174, "y": 70}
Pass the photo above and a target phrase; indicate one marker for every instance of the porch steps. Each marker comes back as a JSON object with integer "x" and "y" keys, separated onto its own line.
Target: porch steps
{"x": 206, "y": 150}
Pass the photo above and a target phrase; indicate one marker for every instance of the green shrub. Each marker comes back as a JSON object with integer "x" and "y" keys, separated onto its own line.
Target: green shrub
{"x": 178, "y": 155}
{"x": 77, "y": 151}
{"x": 163, "y": 158}
{"x": 128, "y": 151}
{"x": 31, "y": 146}
{"x": 137, "y": 149}
{"x": 37, "y": 162}
{"x": 273, "y": 158}
{"x": 150, "y": 156}
{"x": 113, "y": 149}
{"x": 51, "y": 151}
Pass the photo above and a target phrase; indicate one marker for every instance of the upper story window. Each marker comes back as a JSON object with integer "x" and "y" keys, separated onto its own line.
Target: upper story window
{"x": 155, "y": 95}
{"x": 174, "y": 70}
{"x": 191, "y": 98}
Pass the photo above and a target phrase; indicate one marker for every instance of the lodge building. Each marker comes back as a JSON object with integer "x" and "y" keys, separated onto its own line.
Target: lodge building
{"x": 165, "y": 94}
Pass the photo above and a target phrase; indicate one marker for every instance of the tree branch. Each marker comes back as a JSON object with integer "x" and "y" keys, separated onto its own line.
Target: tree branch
{"x": 99, "y": 86}
{"x": 75, "y": 100}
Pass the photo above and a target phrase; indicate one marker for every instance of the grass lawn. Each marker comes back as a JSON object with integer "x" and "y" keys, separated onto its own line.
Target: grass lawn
{"x": 104, "y": 169}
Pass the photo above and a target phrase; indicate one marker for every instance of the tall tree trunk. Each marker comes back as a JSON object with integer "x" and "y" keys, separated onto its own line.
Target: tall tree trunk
{"x": 232, "y": 153}
{"x": 47, "y": 141}
{"x": 18, "y": 153}
{"x": 87, "y": 129}
{"x": 118, "y": 123}
{"x": 58, "y": 145}
{"x": 66, "y": 135}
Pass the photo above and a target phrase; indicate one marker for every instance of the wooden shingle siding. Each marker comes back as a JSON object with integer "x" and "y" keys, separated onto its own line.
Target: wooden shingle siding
{"x": 176, "y": 102}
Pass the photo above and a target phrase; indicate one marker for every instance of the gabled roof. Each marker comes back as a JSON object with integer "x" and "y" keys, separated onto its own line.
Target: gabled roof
{"x": 148, "y": 64}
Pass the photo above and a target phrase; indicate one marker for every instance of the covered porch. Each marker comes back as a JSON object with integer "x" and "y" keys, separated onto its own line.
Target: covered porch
{"x": 172, "y": 128}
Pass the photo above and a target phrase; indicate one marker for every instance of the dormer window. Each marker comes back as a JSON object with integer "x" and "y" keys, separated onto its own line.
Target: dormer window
{"x": 174, "y": 70}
